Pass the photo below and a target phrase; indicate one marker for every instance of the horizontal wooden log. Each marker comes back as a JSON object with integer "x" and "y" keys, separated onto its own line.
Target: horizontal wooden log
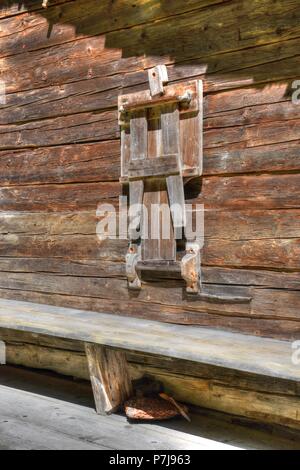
{"x": 85, "y": 65}
{"x": 242, "y": 225}
{"x": 66, "y": 164}
{"x": 276, "y": 254}
{"x": 150, "y": 40}
{"x": 267, "y": 112}
{"x": 280, "y": 254}
{"x": 237, "y": 69}
{"x": 62, "y": 100}
{"x": 105, "y": 269}
{"x": 94, "y": 126}
{"x": 17, "y": 339}
{"x": 266, "y": 133}
{"x": 90, "y": 162}
{"x": 251, "y": 277}
{"x": 274, "y": 328}
{"x": 68, "y": 19}
{"x": 61, "y": 197}
{"x": 277, "y": 157}
{"x": 85, "y": 127}
{"x": 221, "y": 36}
{"x": 79, "y": 267}
{"x": 109, "y": 288}
{"x": 260, "y": 192}
{"x": 251, "y": 224}
{"x": 101, "y": 162}
{"x": 102, "y": 93}
{"x": 231, "y": 400}
{"x": 237, "y": 192}
{"x": 32, "y": 356}
{"x": 266, "y": 303}
{"x": 232, "y": 238}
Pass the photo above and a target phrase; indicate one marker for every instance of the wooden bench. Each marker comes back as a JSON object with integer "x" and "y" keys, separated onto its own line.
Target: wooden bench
{"x": 108, "y": 337}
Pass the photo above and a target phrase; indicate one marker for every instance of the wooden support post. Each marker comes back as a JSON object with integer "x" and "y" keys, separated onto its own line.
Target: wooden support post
{"x": 109, "y": 377}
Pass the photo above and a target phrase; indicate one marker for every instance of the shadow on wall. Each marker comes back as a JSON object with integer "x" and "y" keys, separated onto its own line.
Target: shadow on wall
{"x": 211, "y": 38}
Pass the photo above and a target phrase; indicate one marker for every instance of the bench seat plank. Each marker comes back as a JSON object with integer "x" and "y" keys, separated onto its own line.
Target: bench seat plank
{"x": 235, "y": 351}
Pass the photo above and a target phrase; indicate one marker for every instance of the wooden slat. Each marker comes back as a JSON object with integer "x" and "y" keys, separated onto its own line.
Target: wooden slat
{"x": 230, "y": 350}
{"x": 158, "y": 167}
{"x": 172, "y": 94}
{"x": 151, "y": 246}
{"x": 191, "y": 136}
{"x": 170, "y": 130}
{"x": 136, "y": 193}
{"x": 171, "y": 144}
{"x": 125, "y": 149}
{"x": 138, "y": 136}
{"x": 156, "y": 193}
{"x": 176, "y": 198}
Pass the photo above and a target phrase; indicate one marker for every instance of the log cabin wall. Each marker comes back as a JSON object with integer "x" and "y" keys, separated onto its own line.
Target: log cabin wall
{"x": 64, "y": 68}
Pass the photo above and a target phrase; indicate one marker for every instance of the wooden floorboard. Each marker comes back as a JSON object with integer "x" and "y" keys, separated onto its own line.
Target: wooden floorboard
{"x": 204, "y": 345}
{"x": 42, "y": 411}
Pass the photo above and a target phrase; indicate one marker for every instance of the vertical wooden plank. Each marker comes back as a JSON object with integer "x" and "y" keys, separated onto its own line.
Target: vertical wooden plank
{"x": 125, "y": 149}
{"x": 156, "y": 193}
{"x": 150, "y": 246}
{"x": 177, "y": 203}
{"x": 167, "y": 246}
{"x": 136, "y": 192}
{"x": 138, "y": 152}
{"x": 154, "y": 134}
{"x": 138, "y": 134}
{"x": 171, "y": 146}
{"x": 109, "y": 377}
{"x": 170, "y": 130}
{"x": 191, "y": 135}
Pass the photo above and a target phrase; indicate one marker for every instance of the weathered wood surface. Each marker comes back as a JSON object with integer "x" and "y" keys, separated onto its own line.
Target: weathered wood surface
{"x": 109, "y": 376}
{"x": 231, "y": 192}
{"x": 231, "y": 350}
{"x": 149, "y": 38}
{"x": 60, "y": 152}
{"x": 40, "y": 351}
{"x": 257, "y": 397}
{"x": 37, "y": 410}
{"x": 40, "y": 412}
